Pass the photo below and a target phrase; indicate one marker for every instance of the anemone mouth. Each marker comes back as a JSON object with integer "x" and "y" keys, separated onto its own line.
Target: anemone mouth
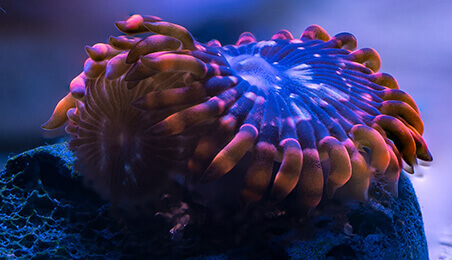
{"x": 255, "y": 70}
{"x": 315, "y": 104}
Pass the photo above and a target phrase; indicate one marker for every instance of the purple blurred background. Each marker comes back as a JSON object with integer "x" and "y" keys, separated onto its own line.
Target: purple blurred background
{"x": 42, "y": 49}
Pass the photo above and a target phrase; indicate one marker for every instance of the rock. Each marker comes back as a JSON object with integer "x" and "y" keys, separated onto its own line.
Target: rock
{"x": 47, "y": 212}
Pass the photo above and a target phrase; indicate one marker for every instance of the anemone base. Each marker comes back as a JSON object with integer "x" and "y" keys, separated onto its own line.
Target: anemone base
{"x": 46, "y": 212}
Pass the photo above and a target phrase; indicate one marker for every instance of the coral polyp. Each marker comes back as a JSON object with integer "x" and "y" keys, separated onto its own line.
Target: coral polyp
{"x": 315, "y": 108}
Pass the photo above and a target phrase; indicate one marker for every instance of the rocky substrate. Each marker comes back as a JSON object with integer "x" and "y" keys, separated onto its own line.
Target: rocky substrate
{"x": 46, "y": 212}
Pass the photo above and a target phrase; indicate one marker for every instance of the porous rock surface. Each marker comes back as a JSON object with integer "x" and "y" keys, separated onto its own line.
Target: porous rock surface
{"x": 46, "y": 212}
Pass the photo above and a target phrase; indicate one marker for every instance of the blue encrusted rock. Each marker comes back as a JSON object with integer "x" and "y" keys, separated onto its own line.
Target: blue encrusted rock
{"x": 47, "y": 212}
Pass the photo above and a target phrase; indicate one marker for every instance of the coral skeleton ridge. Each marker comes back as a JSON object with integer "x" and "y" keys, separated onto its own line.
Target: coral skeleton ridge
{"x": 147, "y": 111}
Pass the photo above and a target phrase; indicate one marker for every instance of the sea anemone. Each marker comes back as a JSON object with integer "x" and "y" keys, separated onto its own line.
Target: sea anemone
{"x": 314, "y": 108}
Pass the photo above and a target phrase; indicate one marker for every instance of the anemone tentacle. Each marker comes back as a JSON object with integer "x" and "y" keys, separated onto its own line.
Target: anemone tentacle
{"x": 315, "y": 107}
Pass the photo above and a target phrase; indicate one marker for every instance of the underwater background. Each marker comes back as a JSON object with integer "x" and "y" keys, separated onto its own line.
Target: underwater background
{"x": 42, "y": 49}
